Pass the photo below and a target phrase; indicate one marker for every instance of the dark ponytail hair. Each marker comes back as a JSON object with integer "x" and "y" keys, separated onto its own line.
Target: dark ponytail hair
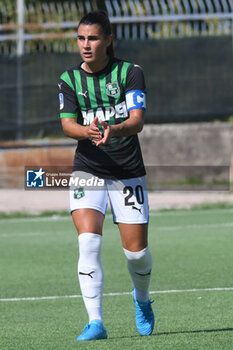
{"x": 101, "y": 18}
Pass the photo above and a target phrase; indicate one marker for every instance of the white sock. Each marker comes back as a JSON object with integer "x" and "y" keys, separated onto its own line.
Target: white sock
{"x": 90, "y": 273}
{"x": 140, "y": 265}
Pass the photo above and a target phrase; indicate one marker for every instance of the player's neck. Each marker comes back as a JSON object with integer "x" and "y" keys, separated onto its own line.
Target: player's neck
{"x": 93, "y": 67}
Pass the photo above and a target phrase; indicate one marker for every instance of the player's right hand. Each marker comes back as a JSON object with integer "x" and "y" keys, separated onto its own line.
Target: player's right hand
{"x": 94, "y": 134}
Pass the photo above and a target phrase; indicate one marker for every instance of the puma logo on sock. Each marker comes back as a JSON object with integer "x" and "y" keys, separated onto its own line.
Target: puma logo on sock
{"x": 87, "y": 274}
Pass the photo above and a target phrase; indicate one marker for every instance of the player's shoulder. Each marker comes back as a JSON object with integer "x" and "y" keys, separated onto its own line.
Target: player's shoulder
{"x": 135, "y": 66}
{"x": 131, "y": 65}
{"x": 68, "y": 72}
{"x": 67, "y": 80}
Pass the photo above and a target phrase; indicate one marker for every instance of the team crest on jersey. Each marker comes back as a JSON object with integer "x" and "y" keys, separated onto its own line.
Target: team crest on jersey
{"x": 112, "y": 89}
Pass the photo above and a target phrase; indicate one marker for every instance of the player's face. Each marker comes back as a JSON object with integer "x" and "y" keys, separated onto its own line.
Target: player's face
{"x": 92, "y": 43}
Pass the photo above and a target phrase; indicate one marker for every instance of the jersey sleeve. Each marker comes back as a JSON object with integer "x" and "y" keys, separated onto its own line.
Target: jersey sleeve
{"x": 67, "y": 97}
{"x": 135, "y": 88}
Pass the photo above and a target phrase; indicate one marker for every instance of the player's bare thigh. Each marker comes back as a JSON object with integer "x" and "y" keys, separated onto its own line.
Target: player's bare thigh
{"x": 88, "y": 220}
{"x": 134, "y": 236}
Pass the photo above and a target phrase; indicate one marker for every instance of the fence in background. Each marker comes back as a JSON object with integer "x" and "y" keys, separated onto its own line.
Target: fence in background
{"x": 154, "y": 19}
{"x": 49, "y": 26}
{"x": 43, "y": 26}
{"x": 188, "y": 80}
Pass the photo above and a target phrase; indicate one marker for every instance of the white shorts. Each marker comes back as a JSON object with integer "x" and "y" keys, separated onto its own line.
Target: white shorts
{"x": 128, "y": 198}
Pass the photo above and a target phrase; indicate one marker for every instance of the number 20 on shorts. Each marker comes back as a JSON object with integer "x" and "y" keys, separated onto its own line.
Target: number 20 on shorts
{"x": 129, "y": 192}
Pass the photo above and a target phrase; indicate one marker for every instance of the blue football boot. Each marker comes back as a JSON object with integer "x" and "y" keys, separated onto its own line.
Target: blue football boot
{"x": 144, "y": 316}
{"x": 93, "y": 331}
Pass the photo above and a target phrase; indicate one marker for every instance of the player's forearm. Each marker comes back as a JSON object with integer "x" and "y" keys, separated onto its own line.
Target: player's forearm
{"x": 129, "y": 127}
{"x": 74, "y": 130}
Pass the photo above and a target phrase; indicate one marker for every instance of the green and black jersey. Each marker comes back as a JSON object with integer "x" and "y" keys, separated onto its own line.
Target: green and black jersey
{"x": 108, "y": 94}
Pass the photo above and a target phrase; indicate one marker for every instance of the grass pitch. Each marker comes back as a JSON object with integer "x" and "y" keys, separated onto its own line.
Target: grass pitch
{"x": 192, "y": 285}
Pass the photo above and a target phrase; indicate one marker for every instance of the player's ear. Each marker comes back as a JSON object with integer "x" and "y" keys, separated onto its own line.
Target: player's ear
{"x": 109, "y": 39}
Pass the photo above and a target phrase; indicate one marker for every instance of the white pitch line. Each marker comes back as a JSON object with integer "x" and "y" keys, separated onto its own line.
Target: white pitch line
{"x": 161, "y": 228}
{"x": 195, "y": 290}
{"x": 178, "y": 212}
{"x": 183, "y": 227}
{"x": 191, "y": 212}
{"x": 36, "y": 219}
{"x": 29, "y": 234}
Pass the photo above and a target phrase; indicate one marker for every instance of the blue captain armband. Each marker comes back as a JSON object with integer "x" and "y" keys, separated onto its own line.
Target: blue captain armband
{"x": 135, "y": 99}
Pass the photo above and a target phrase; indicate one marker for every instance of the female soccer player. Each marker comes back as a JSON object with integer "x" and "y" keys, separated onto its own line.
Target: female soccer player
{"x": 102, "y": 105}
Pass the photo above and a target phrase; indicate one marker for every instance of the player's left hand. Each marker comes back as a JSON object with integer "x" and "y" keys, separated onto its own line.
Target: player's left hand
{"x": 107, "y": 133}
